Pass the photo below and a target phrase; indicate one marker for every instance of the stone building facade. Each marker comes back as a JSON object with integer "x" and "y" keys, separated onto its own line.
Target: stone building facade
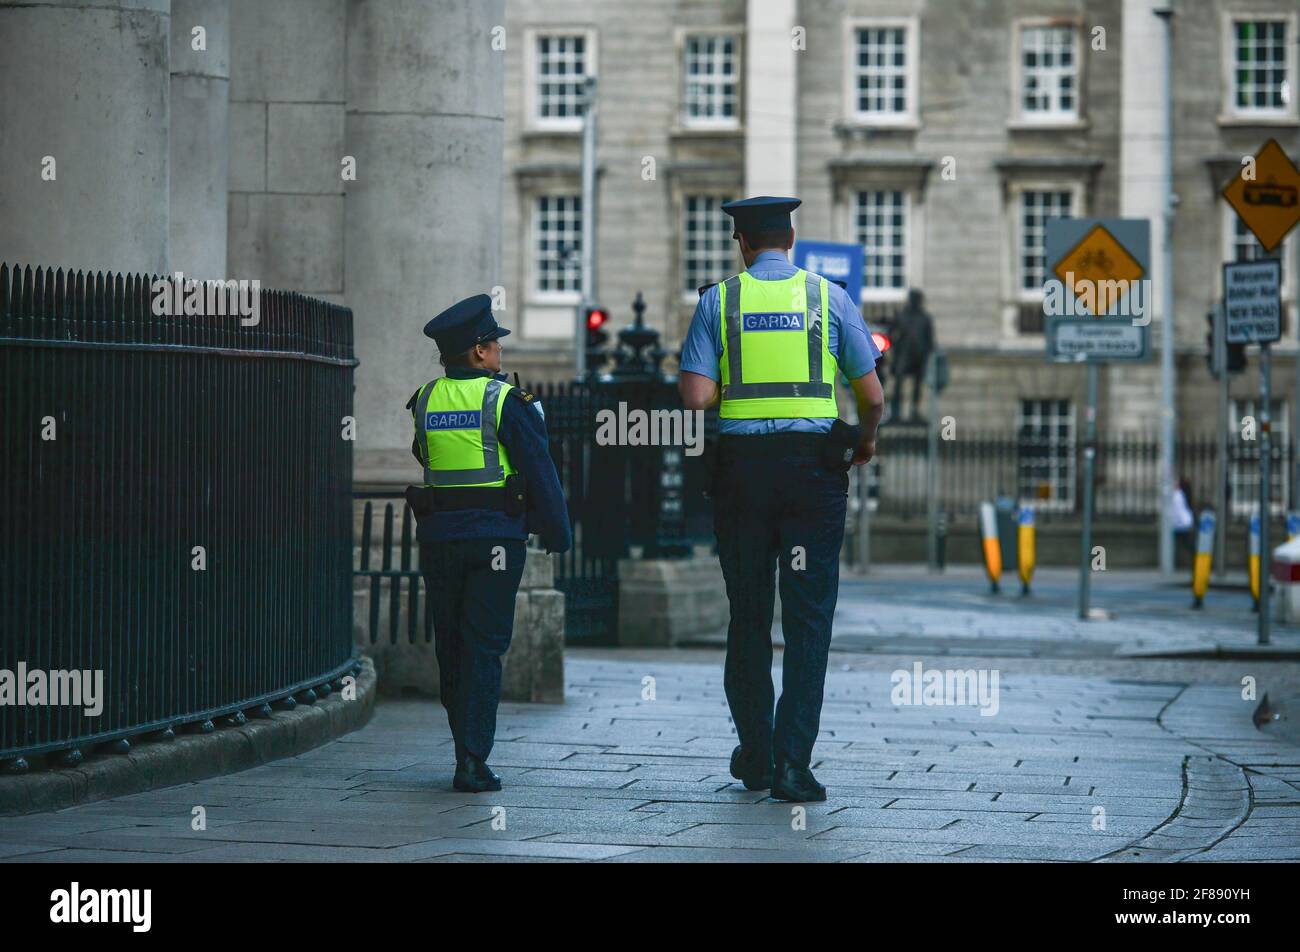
{"x": 939, "y": 135}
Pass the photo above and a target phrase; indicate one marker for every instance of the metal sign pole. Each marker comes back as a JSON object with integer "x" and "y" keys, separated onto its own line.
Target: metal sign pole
{"x": 1220, "y": 495}
{"x": 588, "y": 251}
{"x": 1168, "y": 419}
{"x": 1089, "y": 459}
{"x": 1265, "y": 506}
{"x": 932, "y": 449}
{"x": 863, "y": 548}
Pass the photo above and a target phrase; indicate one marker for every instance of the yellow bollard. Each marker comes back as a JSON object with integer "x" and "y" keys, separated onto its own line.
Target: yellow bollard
{"x": 992, "y": 547}
{"x": 1025, "y": 548}
{"x": 1204, "y": 558}
{"x": 1252, "y": 562}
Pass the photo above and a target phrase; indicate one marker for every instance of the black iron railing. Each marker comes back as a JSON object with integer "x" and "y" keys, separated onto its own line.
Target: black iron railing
{"x": 388, "y": 566}
{"x": 175, "y": 518}
{"x": 1045, "y": 472}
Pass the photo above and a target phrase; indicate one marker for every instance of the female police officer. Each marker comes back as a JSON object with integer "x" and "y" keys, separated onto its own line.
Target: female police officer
{"x": 488, "y": 482}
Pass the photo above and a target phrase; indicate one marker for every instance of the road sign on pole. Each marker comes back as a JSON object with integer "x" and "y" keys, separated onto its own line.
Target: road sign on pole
{"x": 1097, "y": 301}
{"x": 1252, "y": 301}
{"x": 1097, "y": 308}
{"x": 1266, "y": 194}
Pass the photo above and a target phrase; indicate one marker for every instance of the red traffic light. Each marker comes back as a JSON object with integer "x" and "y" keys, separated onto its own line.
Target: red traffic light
{"x": 596, "y": 317}
{"x": 881, "y": 341}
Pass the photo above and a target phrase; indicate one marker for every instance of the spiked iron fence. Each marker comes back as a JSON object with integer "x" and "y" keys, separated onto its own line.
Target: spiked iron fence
{"x": 175, "y": 517}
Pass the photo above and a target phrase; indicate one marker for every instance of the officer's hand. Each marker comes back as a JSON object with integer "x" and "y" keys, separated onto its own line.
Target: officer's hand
{"x": 866, "y": 449}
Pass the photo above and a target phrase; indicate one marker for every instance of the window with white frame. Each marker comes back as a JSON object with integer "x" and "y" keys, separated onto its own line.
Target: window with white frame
{"x": 557, "y": 244}
{"x": 883, "y": 72}
{"x": 1036, "y": 207}
{"x": 1049, "y": 72}
{"x": 1259, "y": 62}
{"x": 880, "y": 226}
{"x": 1243, "y": 458}
{"x": 562, "y": 66}
{"x": 707, "y": 253}
{"x": 711, "y": 96}
{"x": 1046, "y": 454}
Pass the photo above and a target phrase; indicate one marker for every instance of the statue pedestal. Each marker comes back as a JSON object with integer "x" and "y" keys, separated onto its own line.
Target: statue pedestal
{"x": 663, "y": 602}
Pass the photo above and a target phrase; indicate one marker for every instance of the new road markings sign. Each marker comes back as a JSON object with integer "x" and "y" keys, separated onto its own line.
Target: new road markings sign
{"x": 1097, "y": 300}
{"x": 1252, "y": 301}
{"x": 1269, "y": 203}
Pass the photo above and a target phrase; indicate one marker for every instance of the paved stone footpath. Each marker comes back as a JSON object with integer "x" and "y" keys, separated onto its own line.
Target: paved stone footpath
{"x": 1068, "y": 769}
{"x": 905, "y": 608}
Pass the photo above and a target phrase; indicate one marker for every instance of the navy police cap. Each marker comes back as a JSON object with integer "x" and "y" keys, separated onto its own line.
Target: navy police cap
{"x": 761, "y": 213}
{"x": 465, "y": 324}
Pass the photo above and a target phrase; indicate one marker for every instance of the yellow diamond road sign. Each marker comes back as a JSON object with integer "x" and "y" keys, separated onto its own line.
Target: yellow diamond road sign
{"x": 1269, "y": 203}
{"x": 1098, "y": 271}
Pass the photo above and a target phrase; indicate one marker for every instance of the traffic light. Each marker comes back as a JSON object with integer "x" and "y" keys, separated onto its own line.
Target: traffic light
{"x": 596, "y": 319}
{"x": 1236, "y": 353}
{"x": 882, "y": 341}
{"x": 1236, "y": 358}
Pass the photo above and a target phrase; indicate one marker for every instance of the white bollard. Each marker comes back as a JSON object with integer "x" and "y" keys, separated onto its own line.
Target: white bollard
{"x": 1286, "y": 578}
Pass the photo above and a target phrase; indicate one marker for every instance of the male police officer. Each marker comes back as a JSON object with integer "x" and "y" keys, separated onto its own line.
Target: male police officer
{"x": 774, "y": 338}
{"x": 488, "y": 482}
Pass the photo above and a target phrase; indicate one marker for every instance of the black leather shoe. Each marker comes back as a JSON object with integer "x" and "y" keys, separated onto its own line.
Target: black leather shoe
{"x": 796, "y": 785}
{"x": 754, "y": 777}
{"x": 474, "y": 776}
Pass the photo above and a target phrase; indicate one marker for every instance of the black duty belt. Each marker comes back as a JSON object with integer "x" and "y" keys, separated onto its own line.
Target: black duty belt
{"x": 771, "y": 445}
{"x": 468, "y": 497}
{"x": 427, "y": 499}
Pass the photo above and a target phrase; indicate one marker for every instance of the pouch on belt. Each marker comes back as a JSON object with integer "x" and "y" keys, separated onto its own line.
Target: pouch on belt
{"x": 838, "y": 447}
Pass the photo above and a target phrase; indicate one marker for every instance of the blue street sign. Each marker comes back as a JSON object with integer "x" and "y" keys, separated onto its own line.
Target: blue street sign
{"x": 834, "y": 262}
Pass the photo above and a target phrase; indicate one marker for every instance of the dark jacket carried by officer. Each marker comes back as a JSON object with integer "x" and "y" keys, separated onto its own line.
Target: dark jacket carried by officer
{"x": 488, "y": 483}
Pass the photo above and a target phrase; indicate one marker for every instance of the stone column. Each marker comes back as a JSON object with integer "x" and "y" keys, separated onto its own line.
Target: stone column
{"x": 84, "y": 134}
{"x": 771, "y": 94}
{"x": 200, "y": 134}
{"x": 422, "y": 219}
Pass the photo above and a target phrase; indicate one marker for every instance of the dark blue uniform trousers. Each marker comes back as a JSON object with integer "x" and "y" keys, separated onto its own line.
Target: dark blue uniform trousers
{"x": 775, "y": 504}
{"x": 473, "y": 606}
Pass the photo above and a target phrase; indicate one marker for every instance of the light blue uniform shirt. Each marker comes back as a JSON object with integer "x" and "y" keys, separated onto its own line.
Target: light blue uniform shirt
{"x": 846, "y": 336}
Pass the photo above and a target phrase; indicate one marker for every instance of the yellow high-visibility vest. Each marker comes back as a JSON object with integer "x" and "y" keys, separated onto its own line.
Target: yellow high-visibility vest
{"x": 456, "y": 432}
{"x": 776, "y": 361}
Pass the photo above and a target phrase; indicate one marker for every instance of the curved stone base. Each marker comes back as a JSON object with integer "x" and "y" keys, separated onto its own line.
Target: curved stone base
{"x": 190, "y": 757}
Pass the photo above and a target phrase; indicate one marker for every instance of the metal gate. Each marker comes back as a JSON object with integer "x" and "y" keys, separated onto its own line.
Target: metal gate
{"x": 592, "y": 476}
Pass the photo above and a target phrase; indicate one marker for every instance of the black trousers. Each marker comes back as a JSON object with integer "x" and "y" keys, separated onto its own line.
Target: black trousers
{"x": 785, "y": 511}
{"x": 471, "y": 585}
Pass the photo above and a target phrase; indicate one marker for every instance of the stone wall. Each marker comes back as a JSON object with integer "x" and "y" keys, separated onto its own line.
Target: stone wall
{"x": 84, "y": 127}
{"x": 287, "y": 98}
